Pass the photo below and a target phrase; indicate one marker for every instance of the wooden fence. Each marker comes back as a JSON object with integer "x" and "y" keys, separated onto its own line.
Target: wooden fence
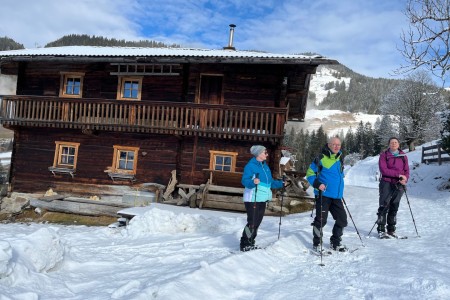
{"x": 434, "y": 153}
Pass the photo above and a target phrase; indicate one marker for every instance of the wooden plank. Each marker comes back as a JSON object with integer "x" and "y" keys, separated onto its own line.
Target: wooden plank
{"x": 225, "y": 189}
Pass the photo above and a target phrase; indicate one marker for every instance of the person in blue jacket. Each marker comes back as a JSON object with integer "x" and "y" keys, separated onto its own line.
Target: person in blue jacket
{"x": 258, "y": 182}
{"x": 326, "y": 175}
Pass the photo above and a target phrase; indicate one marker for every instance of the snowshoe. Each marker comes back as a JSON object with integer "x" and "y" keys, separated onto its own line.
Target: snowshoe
{"x": 339, "y": 248}
{"x": 395, "y": 236}
{"x": 384, "y": 235}
{"x": 317, "y": 251}
{"x": 249, "y": 248}
{"x": 392, "y": 234}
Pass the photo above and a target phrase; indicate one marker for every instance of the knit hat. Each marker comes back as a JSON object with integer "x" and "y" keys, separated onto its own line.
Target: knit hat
{"x": 257, "y": 150}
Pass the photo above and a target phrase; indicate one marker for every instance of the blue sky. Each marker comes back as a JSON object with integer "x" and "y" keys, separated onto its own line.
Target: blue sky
{"x": 362, "y": 34}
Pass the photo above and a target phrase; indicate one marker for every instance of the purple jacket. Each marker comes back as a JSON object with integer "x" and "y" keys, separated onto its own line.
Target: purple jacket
{"x": 391, "y": 166}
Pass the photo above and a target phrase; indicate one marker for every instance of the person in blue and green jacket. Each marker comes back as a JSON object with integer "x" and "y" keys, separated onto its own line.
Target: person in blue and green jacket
{"x": 326, "y": 175}
{"x": 258, "y": 182}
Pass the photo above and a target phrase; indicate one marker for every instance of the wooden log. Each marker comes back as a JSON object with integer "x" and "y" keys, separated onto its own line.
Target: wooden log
{"x": 224, "y": 205}
{"x": 51, "y": 198}
{"x": 97, "y": 202}
{"x": 78, "y": 207}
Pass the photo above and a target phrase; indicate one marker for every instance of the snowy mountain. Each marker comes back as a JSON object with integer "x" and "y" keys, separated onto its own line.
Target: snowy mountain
{"x": 333, "y": 121}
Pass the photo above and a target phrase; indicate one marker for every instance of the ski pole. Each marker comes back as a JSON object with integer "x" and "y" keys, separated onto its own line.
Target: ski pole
{"x": 254, "y": 206}
{"x": 321, "y": 229}
{"x": 312, "y": 211}
{"x": 385, "y": 209}
{"x": 281, "y": 210}
{"x": 346, "y": 207}
{"x": 407, "y": 200}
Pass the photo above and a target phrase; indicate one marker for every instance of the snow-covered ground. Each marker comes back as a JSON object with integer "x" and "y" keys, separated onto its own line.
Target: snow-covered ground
{"x": 182, "y": 253}
{"x": 5, "y": 158}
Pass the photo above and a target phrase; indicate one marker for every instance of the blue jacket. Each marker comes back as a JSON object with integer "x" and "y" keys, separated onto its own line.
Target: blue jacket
{"x": 264, "y": 192}
{"x": 328, "y": 170}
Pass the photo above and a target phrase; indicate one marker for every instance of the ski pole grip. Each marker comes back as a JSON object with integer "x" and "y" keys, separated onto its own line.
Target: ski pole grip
{"x": 257, "y": 175}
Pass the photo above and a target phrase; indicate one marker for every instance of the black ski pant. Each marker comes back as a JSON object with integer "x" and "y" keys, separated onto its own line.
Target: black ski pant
{"x": 337, "y": 210}
{"x": 255, "y": 214}
{"x": 389, "y": 201}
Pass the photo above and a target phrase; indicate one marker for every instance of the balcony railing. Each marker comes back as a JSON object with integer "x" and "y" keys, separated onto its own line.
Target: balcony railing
{"x": 215, "y": 121}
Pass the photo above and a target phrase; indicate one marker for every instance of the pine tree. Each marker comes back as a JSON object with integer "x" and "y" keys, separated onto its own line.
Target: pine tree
{"x": 445, "y": 132}
{"x": 369, "y": 140}
{"x": 385, "y": 131}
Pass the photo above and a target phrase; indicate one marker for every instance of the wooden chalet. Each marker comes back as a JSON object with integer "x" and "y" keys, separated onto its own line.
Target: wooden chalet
{"x": 100, "y": 116}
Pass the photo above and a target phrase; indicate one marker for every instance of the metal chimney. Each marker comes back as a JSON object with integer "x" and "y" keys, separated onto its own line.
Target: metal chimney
{"x": 230, "y": 41}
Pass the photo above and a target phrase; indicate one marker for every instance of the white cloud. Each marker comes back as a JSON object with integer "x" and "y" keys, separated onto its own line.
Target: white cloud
{"x": 363, "y": 35}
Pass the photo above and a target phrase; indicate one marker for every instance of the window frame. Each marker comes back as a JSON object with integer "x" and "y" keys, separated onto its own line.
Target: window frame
{"x": 65, "y": 76}
{"x": 59, "y": 153}
{"x": 215, "y": 153}
{"x": 121, "y": 87}
{"x": 116, "y": 158}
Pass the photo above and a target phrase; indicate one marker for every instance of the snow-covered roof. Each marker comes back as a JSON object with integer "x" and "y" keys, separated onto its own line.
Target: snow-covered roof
{"x": 144, "y": 52}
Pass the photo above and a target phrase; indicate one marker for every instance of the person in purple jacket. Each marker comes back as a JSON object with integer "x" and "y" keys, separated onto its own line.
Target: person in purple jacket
{"x": 394, "y": 169}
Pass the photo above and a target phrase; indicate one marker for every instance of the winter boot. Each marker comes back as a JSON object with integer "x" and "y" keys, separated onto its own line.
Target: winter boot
{"x": 391, "y": 229}
{"x": 316, "y": 248}
{"x": 380, "y": 229}
{"x": 338, "y": 248}
{"x": 246, "y": 245}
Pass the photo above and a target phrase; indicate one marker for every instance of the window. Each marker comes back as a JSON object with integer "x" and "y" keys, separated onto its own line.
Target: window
{"x": 129, "y": 88}
{"x": 222, "y": 161}
{"x": 71, "y": 85}
{"x": 125, "y": 159}
{"x": 66, "y": 155}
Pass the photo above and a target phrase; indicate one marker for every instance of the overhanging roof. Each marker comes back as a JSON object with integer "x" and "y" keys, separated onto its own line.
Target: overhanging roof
{"x": 175, "y": 55}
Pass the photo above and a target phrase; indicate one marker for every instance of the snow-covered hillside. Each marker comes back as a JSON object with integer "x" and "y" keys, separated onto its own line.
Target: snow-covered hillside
{"x": 333, "y": 121}
{"x": 323, "y": 76}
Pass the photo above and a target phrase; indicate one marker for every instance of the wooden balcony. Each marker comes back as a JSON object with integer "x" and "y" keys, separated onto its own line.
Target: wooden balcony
{"x": 183, "y": 119}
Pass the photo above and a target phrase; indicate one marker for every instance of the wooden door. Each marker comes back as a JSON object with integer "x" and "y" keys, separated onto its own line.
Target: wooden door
{"x": 210, "y": 93}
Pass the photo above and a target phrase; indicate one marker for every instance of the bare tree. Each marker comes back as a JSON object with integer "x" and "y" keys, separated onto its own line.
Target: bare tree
{"x": 426, "y": 42}
{"x": 415, "y": 103}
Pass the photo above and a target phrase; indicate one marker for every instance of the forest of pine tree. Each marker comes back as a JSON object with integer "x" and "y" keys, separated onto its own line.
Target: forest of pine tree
{"x": 87, "y": 40}
{"x": 7, "y": 43}
{"x": 364, "y": 94}
{"x": 364, "y": 141}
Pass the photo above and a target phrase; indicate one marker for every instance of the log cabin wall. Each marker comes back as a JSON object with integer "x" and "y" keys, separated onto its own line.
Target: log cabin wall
{"x": 200, "y": 156}
{"x": 158, "y": 156}
{"x": 43, "y": 79}
{"x": 245, "y": 85}
{"x": 35, "y": 148}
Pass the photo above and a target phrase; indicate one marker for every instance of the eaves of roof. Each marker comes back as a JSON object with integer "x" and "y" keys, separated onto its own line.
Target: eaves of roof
{"x": 157, "y": 55}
